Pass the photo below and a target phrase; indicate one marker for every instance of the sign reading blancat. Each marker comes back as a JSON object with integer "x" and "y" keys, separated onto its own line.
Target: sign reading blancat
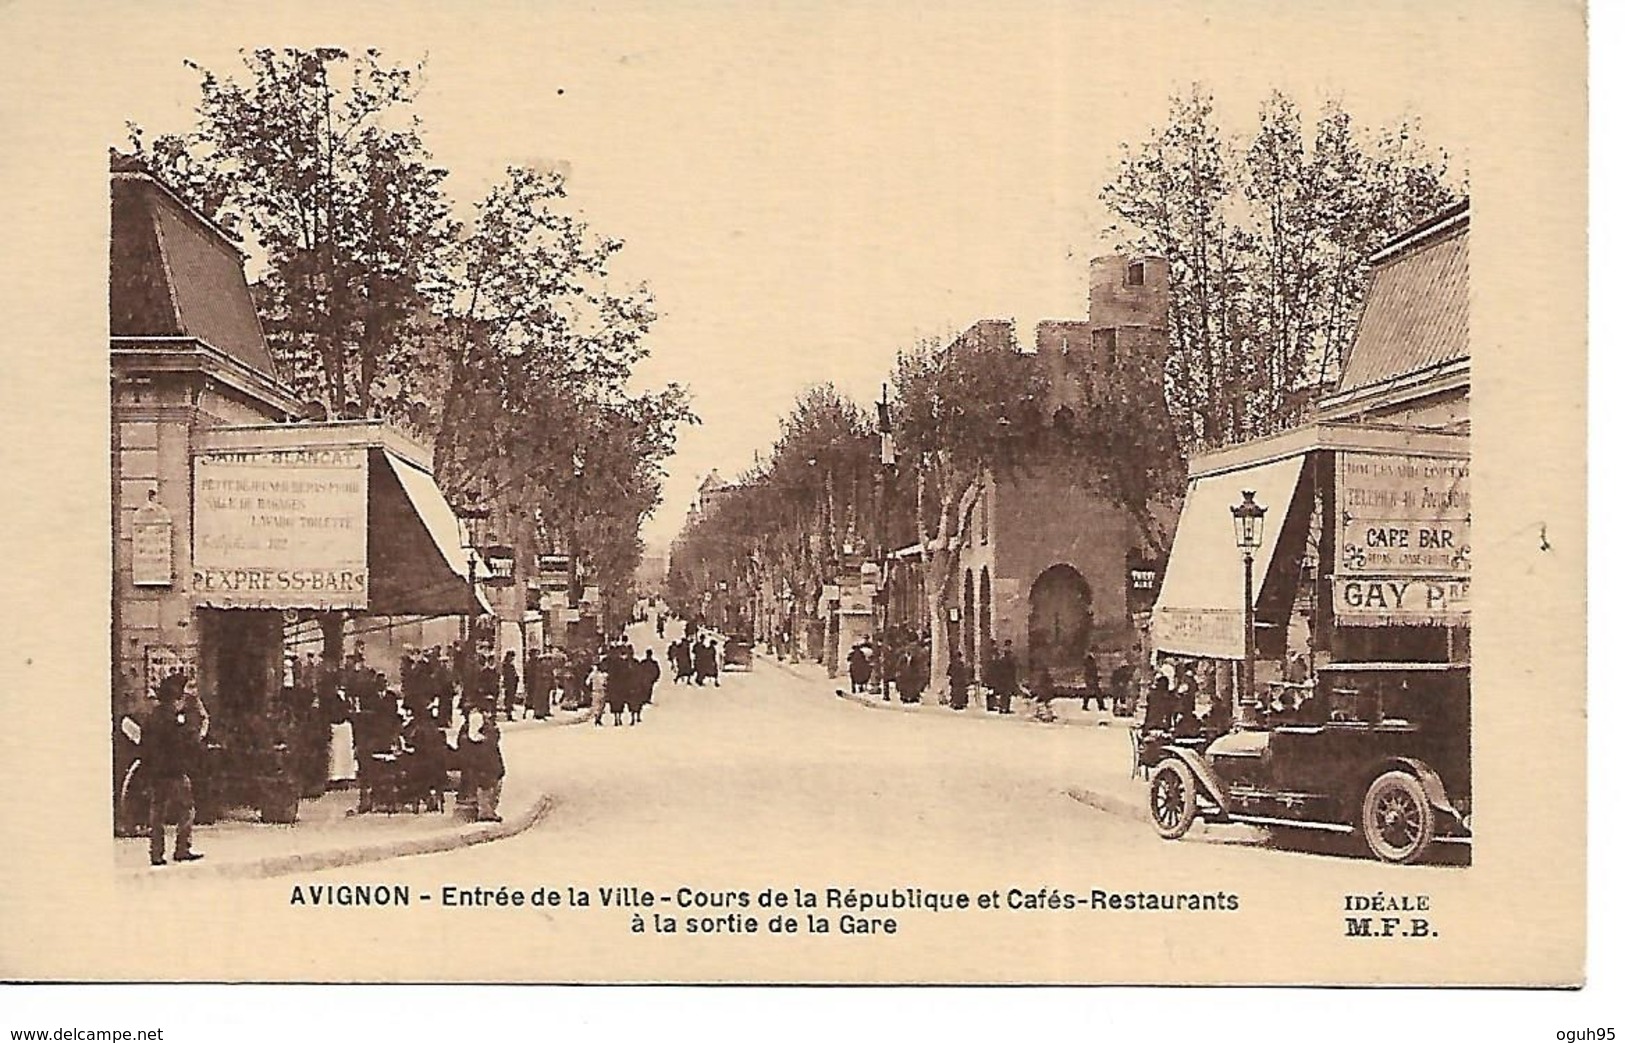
{"x": 280, "y": 529}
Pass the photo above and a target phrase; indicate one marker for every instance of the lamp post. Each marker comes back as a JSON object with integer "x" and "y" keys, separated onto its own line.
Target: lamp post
{"x": 888, "y": 470}
{"x": 471, "y": 520}
{"x": 1248, "y": 517}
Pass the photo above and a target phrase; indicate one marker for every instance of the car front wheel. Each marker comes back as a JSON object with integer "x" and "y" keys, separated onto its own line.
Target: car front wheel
{"x": 1396, "y": 818}
{"x": 1173, "y": 799}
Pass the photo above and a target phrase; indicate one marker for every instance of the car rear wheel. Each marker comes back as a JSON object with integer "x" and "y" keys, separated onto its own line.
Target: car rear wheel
{"x": 1396, "y": 819}
{"x": 1173, "y": 799}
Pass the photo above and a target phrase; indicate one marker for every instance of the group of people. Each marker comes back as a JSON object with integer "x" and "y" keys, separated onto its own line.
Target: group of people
{"x": 694, "y": 660}
{"x": 622, "y": 683}
{"x": 907, "y": 665}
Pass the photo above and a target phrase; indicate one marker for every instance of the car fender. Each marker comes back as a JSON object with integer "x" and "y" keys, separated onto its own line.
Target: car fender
{"x": 1432, "y": 785}
{"x": 1205, "y": 776}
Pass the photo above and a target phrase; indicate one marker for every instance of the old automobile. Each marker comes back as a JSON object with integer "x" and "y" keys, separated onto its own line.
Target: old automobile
{"x": 737, "y": 651}
{"x": 1380, "y": 750}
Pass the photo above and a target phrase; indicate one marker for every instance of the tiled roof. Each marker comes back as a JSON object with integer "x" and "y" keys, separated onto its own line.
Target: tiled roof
{"x": 171, "y": 274}
{"x": 1416, "y": 307}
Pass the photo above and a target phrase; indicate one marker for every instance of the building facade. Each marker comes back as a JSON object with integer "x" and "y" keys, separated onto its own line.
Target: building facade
{"x": 241, "y": 534}
{"x": 1045, "y": 560}
{"x": 1366, "y": 551}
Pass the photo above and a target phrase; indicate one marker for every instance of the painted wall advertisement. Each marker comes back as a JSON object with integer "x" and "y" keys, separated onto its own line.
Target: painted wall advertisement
{"x": 1404, "y": 552}
{"x": 280, "y": 529}
{"x": 152, "y": 554}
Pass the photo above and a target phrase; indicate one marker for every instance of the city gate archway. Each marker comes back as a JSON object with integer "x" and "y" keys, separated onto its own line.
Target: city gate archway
{"x": 1060, "y": 621}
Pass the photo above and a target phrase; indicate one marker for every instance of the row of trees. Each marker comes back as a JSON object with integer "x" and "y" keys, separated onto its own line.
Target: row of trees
{"x": 1268, "y": 238}
{"x": 504, "y": 341}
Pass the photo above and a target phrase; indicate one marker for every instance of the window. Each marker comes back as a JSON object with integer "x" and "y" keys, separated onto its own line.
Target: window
{"x": 1106, "y": 347}
{"x": 1136, "y": 273}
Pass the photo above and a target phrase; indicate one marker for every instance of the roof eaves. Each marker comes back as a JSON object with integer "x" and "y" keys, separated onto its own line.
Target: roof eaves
{"x": 1442, "y": 223}
{"x": 186, "y": 208}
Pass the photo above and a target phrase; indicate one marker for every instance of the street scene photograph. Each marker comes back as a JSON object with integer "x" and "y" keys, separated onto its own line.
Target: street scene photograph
{"x": 816, "y": 495}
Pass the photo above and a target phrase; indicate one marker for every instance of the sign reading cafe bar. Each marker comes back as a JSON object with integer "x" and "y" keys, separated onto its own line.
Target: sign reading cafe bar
{"x": 1404, "y": 553}
{"x": 280, "y": 529}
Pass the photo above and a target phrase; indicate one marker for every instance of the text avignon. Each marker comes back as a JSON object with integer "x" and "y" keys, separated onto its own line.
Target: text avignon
{"x": 350, "y": 894}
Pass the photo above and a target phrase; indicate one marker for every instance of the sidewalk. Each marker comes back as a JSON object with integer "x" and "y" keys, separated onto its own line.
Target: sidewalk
{"x": 327, "y": 835}
{"x": 1103, "y": 755}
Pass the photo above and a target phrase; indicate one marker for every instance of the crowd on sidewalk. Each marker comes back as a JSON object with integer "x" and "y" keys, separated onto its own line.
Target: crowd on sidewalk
{"x": 402, "y": 746}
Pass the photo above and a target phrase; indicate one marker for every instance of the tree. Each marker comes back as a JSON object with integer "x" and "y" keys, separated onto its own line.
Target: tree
{"x": 318, "y": 156}
{"x": 507, "y": 344}
{"x": 964, "y": 410}
{"x": 1267, "y": 241}
{"x": 533, "y": 395}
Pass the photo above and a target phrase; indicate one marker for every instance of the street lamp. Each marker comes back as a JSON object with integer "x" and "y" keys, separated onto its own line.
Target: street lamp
{"x": 888, "y": 470}
{"x": 472, "y": 524}
{"x": 1249, "y": 521}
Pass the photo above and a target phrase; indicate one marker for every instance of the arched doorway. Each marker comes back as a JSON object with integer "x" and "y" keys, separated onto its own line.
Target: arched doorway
{"x": 1060, "y": 621}
{"x": 984, "y": 623}
{"x": 968, "y": 614}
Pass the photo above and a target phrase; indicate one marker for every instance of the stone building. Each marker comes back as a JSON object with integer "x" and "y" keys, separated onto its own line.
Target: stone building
{"x": 1046, "y": 562}
{"x": 237, "y": 528}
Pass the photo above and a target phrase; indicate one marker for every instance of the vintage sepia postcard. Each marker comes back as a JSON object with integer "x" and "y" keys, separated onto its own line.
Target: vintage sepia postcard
{"x": 988, "y": 493}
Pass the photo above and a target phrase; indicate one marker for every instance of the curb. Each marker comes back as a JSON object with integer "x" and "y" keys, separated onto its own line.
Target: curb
{"x": 333, "y": 858}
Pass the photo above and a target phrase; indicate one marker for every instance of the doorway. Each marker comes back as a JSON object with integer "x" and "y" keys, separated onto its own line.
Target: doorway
{"x": 1060, "y": 621}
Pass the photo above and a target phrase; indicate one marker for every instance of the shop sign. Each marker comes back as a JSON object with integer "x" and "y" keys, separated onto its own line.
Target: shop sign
{"x": 1403, "y": 515}
{"x": 1377, "y": 601}
{"x": 164, "y": 660}
{"x": 1216, "y": 633}
{"x": 280, "y": 529}
{"x": 553, "y": 571}
{"x": 152, "y": 545}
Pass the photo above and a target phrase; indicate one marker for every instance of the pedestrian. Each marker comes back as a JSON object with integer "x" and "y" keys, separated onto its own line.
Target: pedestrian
{"x": 683, "y": 662}
{"x": 510, "y": 683}
{"x": 480, "y": 743}
{"x": 171, "y": 742}
{"x": 858, "y": 668}
{"x": 958, "y": 681}
{"x": 622, "y": 678}
{"x": 439, "y": 681}
{"x": 1159, "y": 703}
{"x": 425, "y": 753}
{"x": 713, "y": 660}
{"x": 1122, "y": 694}
{"x": 1005, "y": 679}
{"x": 705, "y": 662}
{"x": 1091, "y": 683}
{"x": 647, "y": 672}
{"x": 598, "y": 684}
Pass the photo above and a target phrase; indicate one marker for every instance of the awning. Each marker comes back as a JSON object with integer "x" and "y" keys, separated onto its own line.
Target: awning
{"x": 1198, "y": 611}
{"x": 415, "y": 557}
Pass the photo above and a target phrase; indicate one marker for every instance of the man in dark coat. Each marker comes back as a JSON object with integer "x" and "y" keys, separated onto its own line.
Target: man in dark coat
{"x": 171, "y": 740}
{"x": 648, "y": 675}
{"x": 858, "y": 669}
{"x": 683, "y": 662}
{"x": 705, "y": 661}
{"x": 958, "y": 682}
{"x": 622, "y": 678}
{"x": 510, "y": 683}
{"x": 1005, "y": 679}
{"x": 1091, "y": 683}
